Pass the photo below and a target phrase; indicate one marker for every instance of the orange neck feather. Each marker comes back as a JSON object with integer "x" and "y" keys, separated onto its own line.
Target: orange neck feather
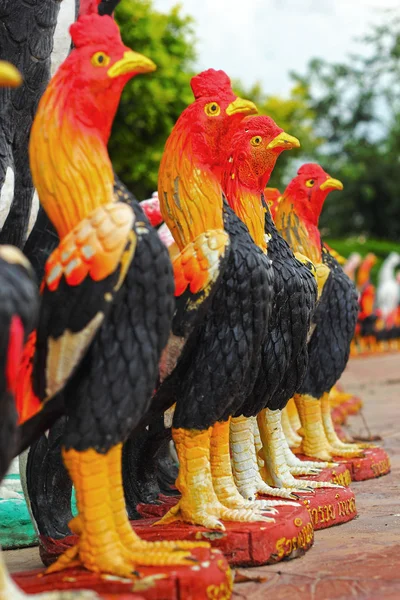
{"x": 248, "y": 207}
{"x": 364, "y": 273}
{"x": 301, "y": 235}
{"x": 78, "y": 176}
{"x": 190, "y": 194}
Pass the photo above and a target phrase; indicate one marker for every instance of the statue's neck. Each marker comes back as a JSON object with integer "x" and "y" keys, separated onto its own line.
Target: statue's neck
{"x": 190, "y": 194}
{"x": 364, "y": 275}
{"x": 70, "y": 165}
{"x": 248, "y": 206}
{"x": 302, "y": 235}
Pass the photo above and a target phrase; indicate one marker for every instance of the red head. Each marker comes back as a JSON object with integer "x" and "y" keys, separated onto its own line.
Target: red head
{"x": 213, "y": 115}
{"x": 94, "y": 74}
{"x": 254, "y": 149}
{"x": 72, "y": 125}
{"x": 190, "y": 175}
{"x": 309, "y": 191}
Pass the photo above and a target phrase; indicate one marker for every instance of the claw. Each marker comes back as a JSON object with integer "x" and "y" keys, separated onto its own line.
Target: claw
{"x": 304, "y": 471}
{"x": 312, "y": 485}
{"x": 67, "y": 595}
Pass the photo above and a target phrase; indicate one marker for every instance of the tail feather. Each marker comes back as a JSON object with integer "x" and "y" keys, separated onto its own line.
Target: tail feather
{"x": 27, "y": 403}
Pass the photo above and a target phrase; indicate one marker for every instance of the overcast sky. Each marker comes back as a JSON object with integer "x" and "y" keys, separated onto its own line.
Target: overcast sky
{"x": 262, "y": 40}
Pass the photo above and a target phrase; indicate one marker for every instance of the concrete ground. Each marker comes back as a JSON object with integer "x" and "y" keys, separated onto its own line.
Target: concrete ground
{"x": 359, "y": 560}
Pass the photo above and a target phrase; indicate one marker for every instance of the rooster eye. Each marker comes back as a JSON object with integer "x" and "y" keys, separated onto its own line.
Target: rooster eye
{"x": 310, "y": 182}
{"x": 212, "y": 109}
{"x": 256, "y": 140}
{"x": 100, "y": 59}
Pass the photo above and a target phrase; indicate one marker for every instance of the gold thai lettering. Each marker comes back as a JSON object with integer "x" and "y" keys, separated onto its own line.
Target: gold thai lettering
{"x": 285, "y": 546}
{"x": 327, "y": 512}
{"x": 342, "y": 478}
{"x": 346, "y": 507}
{"x": 381, "y": 467}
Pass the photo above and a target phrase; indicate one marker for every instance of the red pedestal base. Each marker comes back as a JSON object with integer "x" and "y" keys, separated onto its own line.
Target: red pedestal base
{"x": 243, "y": 544}
{"x": 340, "y": 474}
{"x": 329, "y": 507}
{"x": 343, "y": 410}
{"x": 376, "y": 463}
{"x": 209, "y": 577}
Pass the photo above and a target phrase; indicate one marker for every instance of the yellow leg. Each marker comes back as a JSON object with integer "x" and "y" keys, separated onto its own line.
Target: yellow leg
{"x": 314, "y": 443}
{"x": 199, "y": 504}
{"x": 248, "y": 467}
{"x": 222, "y": 475}
{"x": 269, "y": 422}
{"x": 301, "y": 467}
{"x": 99, "y": 521}
{"x": 337, "y": 397}
{"x": 135, "y": 545}
{"x": 292, "y": 438}
{"x": 339, "y": 448}
{"x": 294, "y": 419}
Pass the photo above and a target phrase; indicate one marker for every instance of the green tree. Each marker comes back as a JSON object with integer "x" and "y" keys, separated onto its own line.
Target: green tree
{"x": 357, "y": 111}
{"x": 151, "y": 103}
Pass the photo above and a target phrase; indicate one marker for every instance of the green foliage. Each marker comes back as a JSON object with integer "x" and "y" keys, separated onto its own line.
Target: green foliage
{"x": 362, "y": 245}
{"x": 357, "y": 110}
{"x": 151, "y": 103}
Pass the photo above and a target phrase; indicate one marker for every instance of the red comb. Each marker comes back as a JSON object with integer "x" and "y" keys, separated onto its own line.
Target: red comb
{"x": 93, "y": 29}
{"x": 311, "y": 170}
{"x": 209, "y": 83}
{"x": 88, "y": 7}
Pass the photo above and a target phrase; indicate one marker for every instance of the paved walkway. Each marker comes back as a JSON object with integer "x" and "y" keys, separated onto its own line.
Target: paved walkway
{"x": 361, "y": 559}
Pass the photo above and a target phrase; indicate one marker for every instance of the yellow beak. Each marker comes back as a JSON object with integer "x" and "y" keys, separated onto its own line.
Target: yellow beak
{"x": 9, "y": 75}
{"x": 331, "y": 184}
{"x": 284, "y": 141}
{"x": 240, "y": 105}
{"x": 132, "y": 62}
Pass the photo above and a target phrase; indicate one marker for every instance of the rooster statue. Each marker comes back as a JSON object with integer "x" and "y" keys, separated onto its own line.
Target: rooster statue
{"x": 334, "y": 319}
{"x": 367, "y": 318}
{"x": 388, "y": 289}
{"x": 107, "y": 301}
{"x": 253, "y": 152}
{"x": 18, "y": 314}
{"x": 352, "y": 264}
{"x": 224, "y": 287}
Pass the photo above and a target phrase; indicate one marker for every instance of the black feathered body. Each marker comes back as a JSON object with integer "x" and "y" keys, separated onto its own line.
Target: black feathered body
{"x": 217, "y": 368}
{"x": 18, "y": 297}
{"x": 113, "y": 387}
{"x": 110, "y": 390}
{"x": 334, "y": 323}
{"x": 284, "y": 352}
